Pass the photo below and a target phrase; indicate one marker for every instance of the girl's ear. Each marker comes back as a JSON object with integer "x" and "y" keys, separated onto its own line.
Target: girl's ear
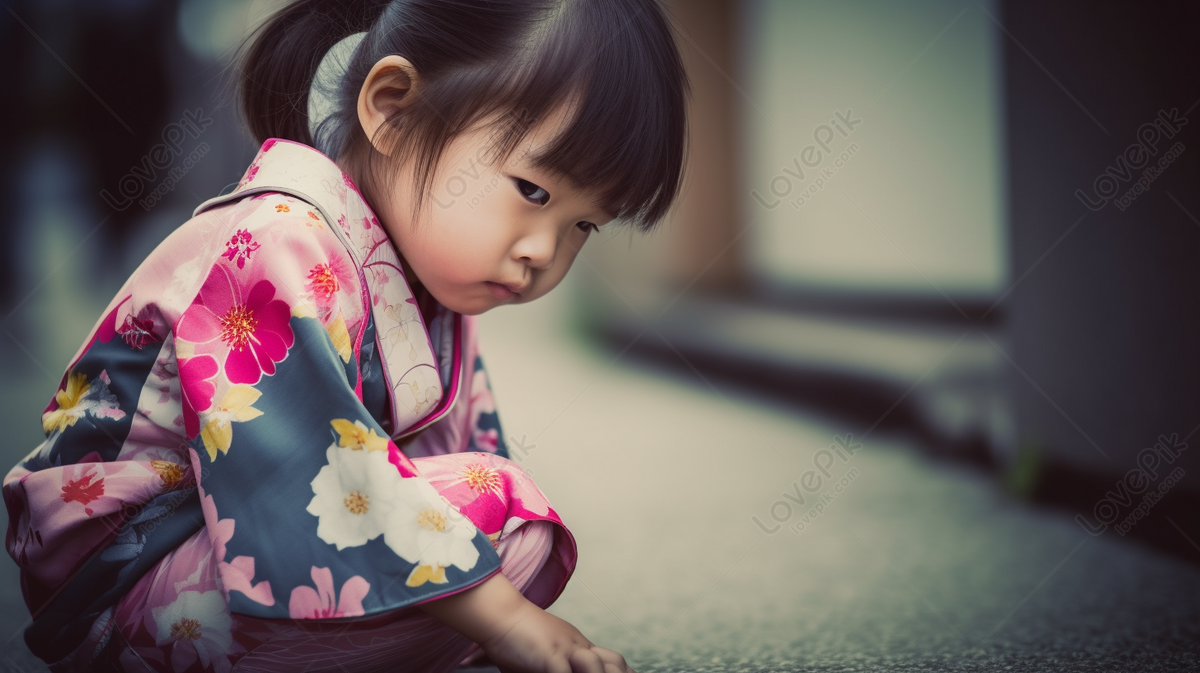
{"x": 387, "y": 90}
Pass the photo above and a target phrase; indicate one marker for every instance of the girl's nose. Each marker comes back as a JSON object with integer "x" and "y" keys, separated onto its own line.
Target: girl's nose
{"x": 537, "y": 248}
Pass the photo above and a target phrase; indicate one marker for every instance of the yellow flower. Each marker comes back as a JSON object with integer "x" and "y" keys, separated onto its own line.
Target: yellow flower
{"x": 171, "y": 473}
{"x": 234, "y": 406}
{"x": 422, "y": 574}
{"x": 67, "y": 398}
{"x": 282, "y": 208}
{"x": 341, "y": 338}
{"x": 357, "y": 436}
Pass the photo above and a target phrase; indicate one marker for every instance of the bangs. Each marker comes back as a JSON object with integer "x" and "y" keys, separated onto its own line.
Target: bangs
{"x": 624, "y": 88}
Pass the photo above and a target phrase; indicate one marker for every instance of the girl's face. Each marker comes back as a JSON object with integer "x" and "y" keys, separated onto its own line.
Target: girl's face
{"x": 491, "y": 232}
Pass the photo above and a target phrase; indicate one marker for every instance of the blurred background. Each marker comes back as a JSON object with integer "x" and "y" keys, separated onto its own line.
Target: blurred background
{"x": 906, "y": 382}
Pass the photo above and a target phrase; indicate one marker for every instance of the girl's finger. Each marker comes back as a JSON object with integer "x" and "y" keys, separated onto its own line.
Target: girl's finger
{"x": 586, "y": 661}
{"x": 611, "y": 658}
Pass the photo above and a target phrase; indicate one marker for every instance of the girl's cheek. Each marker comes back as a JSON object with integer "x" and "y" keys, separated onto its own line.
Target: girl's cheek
{"x": 467, "y": 245}
{"x": 458, "y": 261}
{"x": 481, "y": 234}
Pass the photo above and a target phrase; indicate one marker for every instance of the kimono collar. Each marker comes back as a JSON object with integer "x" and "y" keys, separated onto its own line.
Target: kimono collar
{"x": 422, "y": 363}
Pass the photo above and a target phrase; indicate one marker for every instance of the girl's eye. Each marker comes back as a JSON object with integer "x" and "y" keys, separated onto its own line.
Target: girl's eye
{"x": 532, "y": 191}
{"x": 541, "y": 197}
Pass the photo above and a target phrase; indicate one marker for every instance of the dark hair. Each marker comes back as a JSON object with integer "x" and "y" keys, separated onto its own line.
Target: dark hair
{"x": 512, "y": 61}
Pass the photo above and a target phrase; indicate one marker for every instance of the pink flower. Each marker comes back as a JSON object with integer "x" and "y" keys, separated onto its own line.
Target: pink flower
{"x": 325, "y": 280}
{"x": 239, "y": 247}
{"x": 237, "y": 574}
{"x": 197, "y": 388}
{"x": 307, "y": 603}
{"x": 248, "y": 331}
{"x": 350, "y": 184}
{"x": 479, "y": 487}
{"x": 486, "y": 488}
{"x": 253, "y": 170}
{"x": 250, "y": 173}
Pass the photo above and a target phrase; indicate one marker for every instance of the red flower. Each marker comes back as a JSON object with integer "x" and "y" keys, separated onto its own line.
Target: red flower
{"x": 83, "y": 491}
{"x": 137, "y": 332}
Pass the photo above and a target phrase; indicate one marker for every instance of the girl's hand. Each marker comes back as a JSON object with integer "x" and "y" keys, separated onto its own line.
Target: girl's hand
{"x": 539, "y": 642}
{"x": 518, "y": 636}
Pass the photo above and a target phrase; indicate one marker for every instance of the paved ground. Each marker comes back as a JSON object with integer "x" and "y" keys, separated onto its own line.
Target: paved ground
{"x": 912, "y": 566}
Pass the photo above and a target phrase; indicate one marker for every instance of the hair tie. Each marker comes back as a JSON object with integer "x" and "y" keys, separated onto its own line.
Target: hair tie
{"x": 322, "y": 96}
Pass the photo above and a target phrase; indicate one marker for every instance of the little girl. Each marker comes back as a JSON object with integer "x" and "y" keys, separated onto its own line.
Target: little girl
{"x": 277, "y": 449}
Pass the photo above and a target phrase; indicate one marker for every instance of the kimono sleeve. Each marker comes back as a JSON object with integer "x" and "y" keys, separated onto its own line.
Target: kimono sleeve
{"x": 109, "y": 492}
{"x": 296, "y": 477}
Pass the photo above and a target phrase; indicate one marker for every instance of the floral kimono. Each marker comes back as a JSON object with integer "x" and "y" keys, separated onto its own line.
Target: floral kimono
{"x": 262, "y": 457}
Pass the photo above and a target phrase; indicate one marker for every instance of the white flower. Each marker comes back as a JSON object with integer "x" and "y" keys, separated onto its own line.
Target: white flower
{"x": 196, "y": 624}
{"x": 424, "y": 528}
{"x": 354, "y": 496}
{"x": 360, "y": 495}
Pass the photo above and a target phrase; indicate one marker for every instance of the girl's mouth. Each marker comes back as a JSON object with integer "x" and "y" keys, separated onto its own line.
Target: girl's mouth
{"x": 499, "y": 291}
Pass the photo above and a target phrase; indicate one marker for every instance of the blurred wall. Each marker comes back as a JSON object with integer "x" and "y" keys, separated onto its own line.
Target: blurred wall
{"x": 873, "y": 141}
{"x": 841, "y": 237}
{"x": 1104, "y": 355}
{"x": 847, "y": 148}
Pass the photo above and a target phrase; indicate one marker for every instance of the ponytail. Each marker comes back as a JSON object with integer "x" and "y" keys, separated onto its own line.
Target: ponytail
{"x": 281, "y": 56}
